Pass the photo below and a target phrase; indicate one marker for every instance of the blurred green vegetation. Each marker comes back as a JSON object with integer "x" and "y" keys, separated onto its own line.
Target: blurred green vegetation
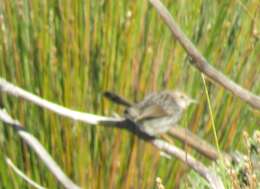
{"x": 69, "y": 52}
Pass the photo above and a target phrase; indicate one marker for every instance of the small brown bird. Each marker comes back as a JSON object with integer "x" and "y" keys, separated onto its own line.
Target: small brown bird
{"x": 157, "y": 113}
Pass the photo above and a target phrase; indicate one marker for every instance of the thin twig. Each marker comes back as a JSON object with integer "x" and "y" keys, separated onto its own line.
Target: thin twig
{"x": 22, "y": 175}
{"x": 208, "y": 174}
{"x": 39, "y": 150}
{"x": 201, "y": 63}
{"x": 211, "y": 114}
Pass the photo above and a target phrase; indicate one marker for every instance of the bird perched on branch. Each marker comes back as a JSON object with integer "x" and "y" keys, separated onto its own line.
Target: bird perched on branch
{"x": 157, "y": 113}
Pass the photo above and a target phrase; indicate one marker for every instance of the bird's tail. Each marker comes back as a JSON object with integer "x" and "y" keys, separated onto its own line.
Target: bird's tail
{"x": 117, "y": 99}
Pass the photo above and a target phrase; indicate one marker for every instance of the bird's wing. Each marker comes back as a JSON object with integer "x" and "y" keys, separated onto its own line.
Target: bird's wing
{"x": 153, "y": 111}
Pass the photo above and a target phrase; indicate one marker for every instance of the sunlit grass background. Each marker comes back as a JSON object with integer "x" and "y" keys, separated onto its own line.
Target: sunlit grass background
{"x": 69, "y": 52}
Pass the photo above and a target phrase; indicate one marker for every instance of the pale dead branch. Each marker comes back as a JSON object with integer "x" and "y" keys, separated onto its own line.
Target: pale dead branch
{"x": 35, "y": 145}
{"x": 92, "y": 119}
{"x": 201, "y": 63}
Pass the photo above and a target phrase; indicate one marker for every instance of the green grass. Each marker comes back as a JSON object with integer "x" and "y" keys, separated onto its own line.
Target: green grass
{"x": 69, "y": 52}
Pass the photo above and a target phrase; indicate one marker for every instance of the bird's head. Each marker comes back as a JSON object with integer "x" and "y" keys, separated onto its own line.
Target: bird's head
{"x": 182, "y": 99}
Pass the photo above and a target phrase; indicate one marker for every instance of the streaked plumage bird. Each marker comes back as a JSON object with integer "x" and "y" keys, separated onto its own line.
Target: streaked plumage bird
{"x": 157, "y": 113}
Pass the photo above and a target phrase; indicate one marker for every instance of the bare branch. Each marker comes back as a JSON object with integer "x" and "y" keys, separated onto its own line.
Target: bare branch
{"x": 200, "y": 145}
{"x": 40, "y": 151}
{"x": 201, "y": 63}
{"x": 11, "y": 89}
{"x": 22, "y": 175}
